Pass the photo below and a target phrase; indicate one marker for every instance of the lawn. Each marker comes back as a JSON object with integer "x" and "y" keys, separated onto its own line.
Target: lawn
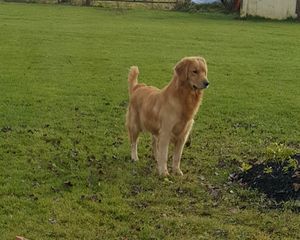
{"x": 65, "y": 161}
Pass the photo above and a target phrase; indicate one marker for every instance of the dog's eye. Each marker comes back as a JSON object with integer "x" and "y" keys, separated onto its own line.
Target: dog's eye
{"x": 195, "y": 71}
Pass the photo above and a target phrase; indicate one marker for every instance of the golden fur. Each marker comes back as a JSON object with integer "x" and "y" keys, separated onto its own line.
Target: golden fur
{"x": 167, "y": 113}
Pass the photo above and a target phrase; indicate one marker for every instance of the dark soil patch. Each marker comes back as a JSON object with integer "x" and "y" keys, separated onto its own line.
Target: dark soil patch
{"x": 278, "y": 180}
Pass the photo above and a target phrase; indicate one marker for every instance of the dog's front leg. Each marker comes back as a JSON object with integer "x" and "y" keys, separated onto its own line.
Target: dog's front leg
{"x": 162, "y": 153}
{"x": 154, "y": 147}
{"x": 179, "y": 145}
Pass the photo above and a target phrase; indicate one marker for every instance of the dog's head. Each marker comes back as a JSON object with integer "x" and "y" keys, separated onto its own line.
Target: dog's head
{"x": 192, "y": 72}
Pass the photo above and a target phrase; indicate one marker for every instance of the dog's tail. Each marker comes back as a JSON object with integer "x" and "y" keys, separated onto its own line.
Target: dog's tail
{"x": 132, "y": 78}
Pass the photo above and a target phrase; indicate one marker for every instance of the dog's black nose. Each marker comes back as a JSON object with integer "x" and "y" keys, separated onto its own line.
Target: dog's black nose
{"x": 206, "y": 83}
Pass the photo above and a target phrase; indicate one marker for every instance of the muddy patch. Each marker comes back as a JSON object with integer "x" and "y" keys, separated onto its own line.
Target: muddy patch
{"x": 279, "y": 181}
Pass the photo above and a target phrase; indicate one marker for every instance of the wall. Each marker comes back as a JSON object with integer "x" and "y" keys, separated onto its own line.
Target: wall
{"x": 275, "y": 9}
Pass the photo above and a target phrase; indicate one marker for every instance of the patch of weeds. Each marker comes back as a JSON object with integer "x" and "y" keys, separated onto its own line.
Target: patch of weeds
{"x": 278, "y": 153}
{"x": 246, "y": 166}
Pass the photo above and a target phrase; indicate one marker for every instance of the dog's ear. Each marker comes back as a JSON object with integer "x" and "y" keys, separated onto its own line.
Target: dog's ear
{"x": 204, "y": 61}
{"x": 181, "y": 69}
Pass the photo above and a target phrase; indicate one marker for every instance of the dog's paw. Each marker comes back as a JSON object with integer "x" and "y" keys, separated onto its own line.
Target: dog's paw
{"x": 163, "y": 172}
{"x": 177, "y": 171}
{"x": 134, "y": 157}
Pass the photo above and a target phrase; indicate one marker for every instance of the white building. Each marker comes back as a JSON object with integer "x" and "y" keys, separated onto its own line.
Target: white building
{"x": 274, "y": 9}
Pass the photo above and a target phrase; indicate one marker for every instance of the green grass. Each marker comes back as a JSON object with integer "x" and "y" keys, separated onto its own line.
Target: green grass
{"x": 64, "y": 155}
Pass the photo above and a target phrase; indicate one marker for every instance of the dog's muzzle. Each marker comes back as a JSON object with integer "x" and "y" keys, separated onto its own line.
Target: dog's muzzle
{"x": 203, "y": 85}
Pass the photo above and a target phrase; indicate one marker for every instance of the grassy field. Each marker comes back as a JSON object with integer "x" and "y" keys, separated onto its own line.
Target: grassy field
{"x": 65, "y": 161}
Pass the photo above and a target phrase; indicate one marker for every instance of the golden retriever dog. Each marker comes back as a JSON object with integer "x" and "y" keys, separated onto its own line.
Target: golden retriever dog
{"x": 166, "y": 113}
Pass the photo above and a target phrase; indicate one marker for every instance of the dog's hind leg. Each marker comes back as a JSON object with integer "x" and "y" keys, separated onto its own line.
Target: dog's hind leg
{"x": 133, "y": 132}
